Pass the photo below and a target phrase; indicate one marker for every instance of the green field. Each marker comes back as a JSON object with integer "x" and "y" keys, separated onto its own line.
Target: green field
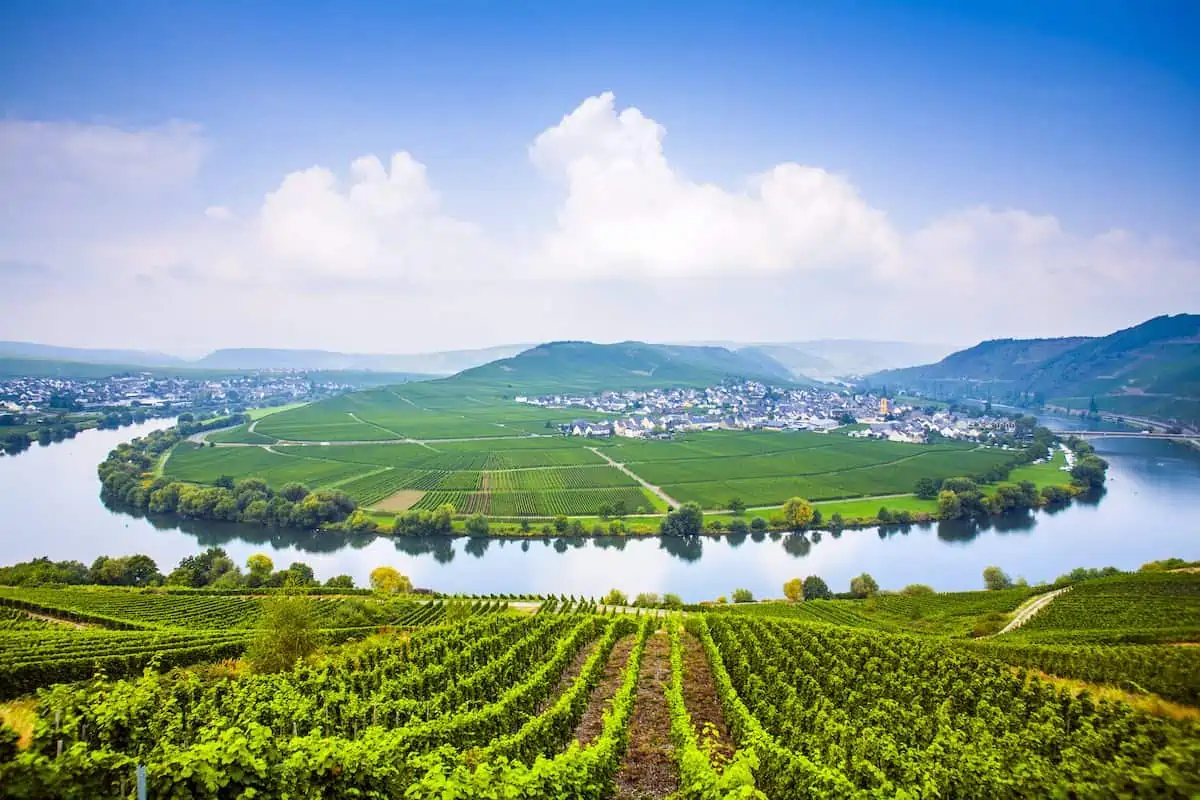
{"x": 482, "y": 452}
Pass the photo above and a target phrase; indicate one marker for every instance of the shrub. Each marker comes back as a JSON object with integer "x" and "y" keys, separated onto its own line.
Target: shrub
{"x": 743, "y": 596}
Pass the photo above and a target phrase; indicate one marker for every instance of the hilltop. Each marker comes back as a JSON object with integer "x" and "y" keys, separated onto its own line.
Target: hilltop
{"x": 581, "y": 366}
{"x": 1150, "y": 369}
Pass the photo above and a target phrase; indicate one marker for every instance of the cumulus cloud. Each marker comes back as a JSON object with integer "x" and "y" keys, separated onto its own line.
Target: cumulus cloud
{"x": 627, "y": 211}
{"x": 384, "y": 222}
{"x": 667, "y": 256}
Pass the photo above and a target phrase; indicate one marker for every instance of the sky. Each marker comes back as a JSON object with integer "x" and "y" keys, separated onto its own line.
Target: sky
{"x": 419, "y": 176}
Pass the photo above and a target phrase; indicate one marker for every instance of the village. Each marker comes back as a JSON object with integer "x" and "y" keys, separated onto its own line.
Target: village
{"x": 751, "y": 405}
{"x": 156, "y": 393}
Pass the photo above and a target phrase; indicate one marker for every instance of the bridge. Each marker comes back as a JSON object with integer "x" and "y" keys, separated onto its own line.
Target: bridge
{"x": 1183, "y": 437}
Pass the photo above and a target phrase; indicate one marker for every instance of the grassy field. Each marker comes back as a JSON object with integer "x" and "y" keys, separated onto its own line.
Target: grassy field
{"x": 424, "y": 444}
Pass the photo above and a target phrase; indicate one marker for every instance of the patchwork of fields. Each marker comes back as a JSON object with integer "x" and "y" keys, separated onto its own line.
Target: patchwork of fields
{"x": 416, "y": 446}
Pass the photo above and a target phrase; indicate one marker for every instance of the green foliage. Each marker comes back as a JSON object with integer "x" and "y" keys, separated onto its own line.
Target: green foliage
{"x": 777, "y": 681}
{"x": 995, "y": 578}
{"x": 687, "y": 520}
{"x": 815, "y": 588}
{"x": 1129, "y": 607}
{"x": 743, "y": 596}
{"x": 863, "y": 586}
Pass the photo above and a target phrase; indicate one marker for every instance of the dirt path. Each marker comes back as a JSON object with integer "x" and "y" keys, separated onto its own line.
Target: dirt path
{"x": 700, "y": 698}
{"x": 649, "y": 770}
{"x": 68, "y": 623}
{"x": 568, "y": 676}
{"x": 666, "y": 498}
{"x": 1027, "y": 613}
{"x": 592, "y": 722}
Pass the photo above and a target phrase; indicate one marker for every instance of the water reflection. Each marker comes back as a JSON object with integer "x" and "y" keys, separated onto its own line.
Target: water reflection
{"x": 1154, "y": 486}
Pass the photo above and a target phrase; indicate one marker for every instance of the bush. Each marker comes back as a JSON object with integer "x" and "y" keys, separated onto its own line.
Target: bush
{"x": 286, "y": 635}
{"x": 743, "y": 596}
{"x": 995, "y": 579}
{"x": 758, "y": 524}
{"x": 615, "y": 597}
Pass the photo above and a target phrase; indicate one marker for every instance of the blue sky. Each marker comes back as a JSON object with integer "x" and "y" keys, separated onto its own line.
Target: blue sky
{"x": 971, "y": 147}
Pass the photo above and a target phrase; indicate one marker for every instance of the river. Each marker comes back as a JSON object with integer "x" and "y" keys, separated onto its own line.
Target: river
{"x": 50, "y": 506}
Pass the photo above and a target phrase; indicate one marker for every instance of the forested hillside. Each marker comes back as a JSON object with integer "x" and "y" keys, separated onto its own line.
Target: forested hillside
{"x": 1151, "y": 369}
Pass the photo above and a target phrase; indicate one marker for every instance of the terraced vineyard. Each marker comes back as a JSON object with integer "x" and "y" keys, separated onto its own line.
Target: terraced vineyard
{"x": 567, "y": 703}
{"x": 1139, "y": 607}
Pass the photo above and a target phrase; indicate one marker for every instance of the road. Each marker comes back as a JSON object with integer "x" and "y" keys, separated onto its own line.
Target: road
{"x": 1027, "y": 613}
{"x": 666, "y": 498}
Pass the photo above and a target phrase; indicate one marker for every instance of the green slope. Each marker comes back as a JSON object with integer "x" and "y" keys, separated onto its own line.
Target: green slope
{"x": 585, "y": 366}
{"x": 1152, "y": 368}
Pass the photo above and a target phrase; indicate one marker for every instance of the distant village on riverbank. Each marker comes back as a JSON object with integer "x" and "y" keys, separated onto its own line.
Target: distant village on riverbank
{"x": 751, "y": 405}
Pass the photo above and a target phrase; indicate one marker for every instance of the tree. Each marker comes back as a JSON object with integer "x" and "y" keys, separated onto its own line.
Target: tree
{"x": 560, "y": 523}
{"x": 604, "y": 511}
{"x": 995, "y": 578}
{"x": 883, "y": 515}
{"x": 737, "y": 506}
{"x": 959, "y": 485}
{"x": 836, "y": 523}
{"x": 646, "y": 600}
{"x": 914, "y": 589}
{"x": 615, "y": 597}
{"x": 687, "y": 520}
{"x": 259, "y": 568}
{"x": 1090, "y": 472}
{"x": 673, "y": 601}
{"x": 949, "y": 506}
{"x": 286, "y": 635}
{"x": 815, "y": 588}
{"x": 340, "y": 582}
{"x": 817, "y": 518}
{"x": 926, "y": 489}
{"x": 863, "y": 586}
{"x": 224, "y": 482}
{"x": 295, "y": 492}
{"x": 794, "y": 590}
{"x": 743, "y": 596}
{"x": 619, "y": 509}
{"x": 758, "y": 524}
{"x": 390, "y": 581}
{"x": 797, "y": 513}
{"x": 299, "y": 574}
{"x": 476, "y": 525}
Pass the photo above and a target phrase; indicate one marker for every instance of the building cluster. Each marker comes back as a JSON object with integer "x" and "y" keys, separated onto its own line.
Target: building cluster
{"x": 750, "y": 405}
{"x": 149, "y": 391}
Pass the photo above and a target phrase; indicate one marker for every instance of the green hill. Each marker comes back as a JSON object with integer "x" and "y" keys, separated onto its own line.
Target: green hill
{"x": 585, "y": 366}
{"x": 1151, "y": 369}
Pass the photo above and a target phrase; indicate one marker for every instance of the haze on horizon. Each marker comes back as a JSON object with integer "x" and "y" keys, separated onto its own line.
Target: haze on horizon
{"x": 417, "y": 177}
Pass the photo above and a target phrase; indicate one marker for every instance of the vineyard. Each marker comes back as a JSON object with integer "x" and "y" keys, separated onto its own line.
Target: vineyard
{"x": 489, "y": 455}
{"x": 570, "y": 703}
{"x": 1141, "y": 607}
{"x": 548, "y": 503}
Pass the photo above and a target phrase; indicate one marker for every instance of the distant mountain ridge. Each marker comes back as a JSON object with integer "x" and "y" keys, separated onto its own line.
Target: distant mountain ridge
{"x": 587, "y": 366}
{"x": 89, "y": 355}
{"x": 1151, "y": 369}
{"x": 445, "y": 362}
{"x": 435, "y": 363}
{"x": 830, "y": 359}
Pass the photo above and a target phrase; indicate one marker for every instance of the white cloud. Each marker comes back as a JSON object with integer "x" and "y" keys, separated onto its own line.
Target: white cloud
{"x": 111, "y": 216}
{"x": 384, "y": 223}
{"x": 116, "y": 159}
{"x": 627, "y": 211}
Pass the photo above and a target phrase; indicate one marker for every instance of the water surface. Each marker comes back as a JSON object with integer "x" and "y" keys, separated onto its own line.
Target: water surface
{"x": 50, "y": 506}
